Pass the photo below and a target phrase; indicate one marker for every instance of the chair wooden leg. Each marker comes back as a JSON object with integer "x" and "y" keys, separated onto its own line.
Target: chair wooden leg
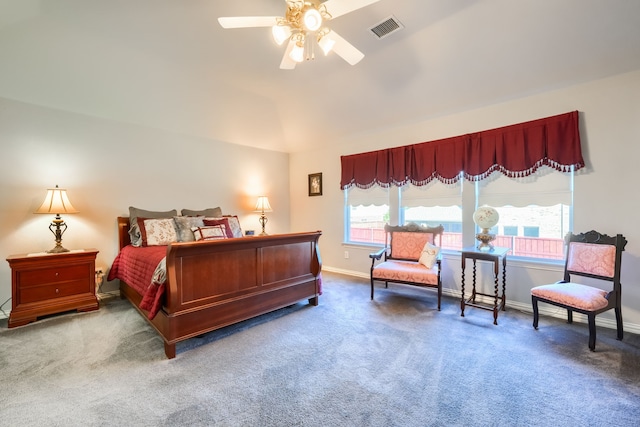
{"x": 618, "y": 311}
{"x": 439, "y": 296}
{"x": 372, "y": 288}
{"x": 569, "y": 315}
{"x": 534, "y": 303}
{"x": 592, "y": 332}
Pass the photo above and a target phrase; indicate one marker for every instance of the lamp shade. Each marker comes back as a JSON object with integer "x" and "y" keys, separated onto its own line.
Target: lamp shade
{"x": 263, "y": 204}
{"x": 56, "y": 202}
{"x": 486, "y": 217}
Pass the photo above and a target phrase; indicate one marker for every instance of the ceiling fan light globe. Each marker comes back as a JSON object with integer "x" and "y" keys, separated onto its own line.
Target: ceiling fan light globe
{"x": 281, "y": 33}
{"x": 312, "y": 20}
{"x": 326, "y": 44}
{"x": 297, "y": 54}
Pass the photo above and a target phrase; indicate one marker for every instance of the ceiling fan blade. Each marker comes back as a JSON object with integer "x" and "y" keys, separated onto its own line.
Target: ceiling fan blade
{"x": 346, "y": 50}
{"x": 342, "y": 7}
{"x": 247, "y": 21}
{"x": 288, "y": 63}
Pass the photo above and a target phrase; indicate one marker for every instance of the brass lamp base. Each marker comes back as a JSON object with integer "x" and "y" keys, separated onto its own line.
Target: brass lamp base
{"x": 58, "y": 249}
{"x": 263, "y": 222}
{"x": 485, "y": 240}
{"x": 57, "y": 231}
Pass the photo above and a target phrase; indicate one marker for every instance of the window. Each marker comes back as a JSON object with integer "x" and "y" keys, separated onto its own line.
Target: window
{"x": 366, "y": 213}
{"x": 542, "y": 153}
{"x": 434, "y": 204}
{"x": 541, "y": 203}
{"x": 510, "y": 230}
{"x": 536, "y": 211}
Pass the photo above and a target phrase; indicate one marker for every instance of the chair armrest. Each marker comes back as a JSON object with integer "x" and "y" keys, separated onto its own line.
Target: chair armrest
{"x": 377, "y": 255}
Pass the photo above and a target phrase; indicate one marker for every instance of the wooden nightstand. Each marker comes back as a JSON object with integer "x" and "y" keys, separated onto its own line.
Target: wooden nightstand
{"x": 43, "y": 284}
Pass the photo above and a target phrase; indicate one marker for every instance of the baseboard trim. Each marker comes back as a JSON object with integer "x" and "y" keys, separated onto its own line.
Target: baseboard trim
{"x": 544, "y": 309}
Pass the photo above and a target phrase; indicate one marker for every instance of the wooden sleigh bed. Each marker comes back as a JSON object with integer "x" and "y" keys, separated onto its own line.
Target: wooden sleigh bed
{"x": 213, "y": 284}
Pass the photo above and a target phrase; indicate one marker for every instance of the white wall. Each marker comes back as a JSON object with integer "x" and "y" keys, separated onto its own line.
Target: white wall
{"x": 606, "y": 193}
{"x": 108, "y": 166}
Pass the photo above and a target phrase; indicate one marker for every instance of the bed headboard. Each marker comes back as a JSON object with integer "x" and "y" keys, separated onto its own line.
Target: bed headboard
{"x": 123, "y": 231}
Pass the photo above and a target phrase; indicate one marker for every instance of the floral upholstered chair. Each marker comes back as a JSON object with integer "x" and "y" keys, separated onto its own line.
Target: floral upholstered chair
{"x": 589, "y": 255}
{"x": 411, "y": 257}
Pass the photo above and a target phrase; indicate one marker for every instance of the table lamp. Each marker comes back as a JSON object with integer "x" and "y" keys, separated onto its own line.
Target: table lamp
{"x": 57, "y": 202}
{"x": 263, "y": 206}
{"x": 485, "y": 217}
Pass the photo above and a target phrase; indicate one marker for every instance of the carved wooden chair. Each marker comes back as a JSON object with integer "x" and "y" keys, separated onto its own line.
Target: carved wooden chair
{"x": 592, "y": 255}
{"x": 411, "y": 257}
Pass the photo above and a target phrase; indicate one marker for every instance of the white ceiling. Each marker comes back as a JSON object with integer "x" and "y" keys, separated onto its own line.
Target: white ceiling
{"x": 168, "y": 64}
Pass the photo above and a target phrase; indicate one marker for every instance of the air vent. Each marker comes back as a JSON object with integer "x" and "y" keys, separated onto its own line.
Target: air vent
{"x": 386, "y": 27}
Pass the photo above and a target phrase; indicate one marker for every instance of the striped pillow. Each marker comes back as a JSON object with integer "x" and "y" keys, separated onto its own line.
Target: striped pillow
{"x": 213, "y": 232}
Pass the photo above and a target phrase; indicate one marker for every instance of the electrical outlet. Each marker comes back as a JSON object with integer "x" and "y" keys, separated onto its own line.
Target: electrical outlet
{"x": 346, "y": 254}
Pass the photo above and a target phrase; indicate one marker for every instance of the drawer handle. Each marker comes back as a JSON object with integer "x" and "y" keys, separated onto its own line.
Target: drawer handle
{"x": 57, "y": 291}
{"x": 57, "y": 274}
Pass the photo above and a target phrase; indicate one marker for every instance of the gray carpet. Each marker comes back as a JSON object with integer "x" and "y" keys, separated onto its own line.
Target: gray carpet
{"x": 396, "y": 361}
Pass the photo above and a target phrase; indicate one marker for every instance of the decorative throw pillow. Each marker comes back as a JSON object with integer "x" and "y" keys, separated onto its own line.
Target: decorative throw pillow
{"x": 222, "y": 221}
{"x": 157, "y": 232}
{"x": 135, "y": 234}
{"x": 184, "y": 225}
{"x": 213, "y": 232}
{"x": 234, "y": 224}
{"x": 213, "y": 212}
{"x": 429, "y": 255}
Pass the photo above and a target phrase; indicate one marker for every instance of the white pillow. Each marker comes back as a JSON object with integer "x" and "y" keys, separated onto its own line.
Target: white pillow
{"x": 429, "y": 255}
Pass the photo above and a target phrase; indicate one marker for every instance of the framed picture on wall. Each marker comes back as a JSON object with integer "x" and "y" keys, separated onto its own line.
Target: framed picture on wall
{"x": 315, "y": 184}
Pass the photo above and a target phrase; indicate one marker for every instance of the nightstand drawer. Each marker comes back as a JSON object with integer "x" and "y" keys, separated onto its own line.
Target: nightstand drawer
{"x": 53, "y": 275}
{"x": 50, "y": 291}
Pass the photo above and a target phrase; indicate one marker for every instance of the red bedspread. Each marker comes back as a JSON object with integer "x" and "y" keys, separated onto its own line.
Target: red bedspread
{"x": 136, "y": 267}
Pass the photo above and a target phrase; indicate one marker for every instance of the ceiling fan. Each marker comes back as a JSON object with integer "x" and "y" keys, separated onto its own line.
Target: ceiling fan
{"x": 303, "y": 26}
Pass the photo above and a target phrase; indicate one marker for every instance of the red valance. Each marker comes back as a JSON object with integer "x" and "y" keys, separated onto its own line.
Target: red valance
{"x": 516, "y": 151}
